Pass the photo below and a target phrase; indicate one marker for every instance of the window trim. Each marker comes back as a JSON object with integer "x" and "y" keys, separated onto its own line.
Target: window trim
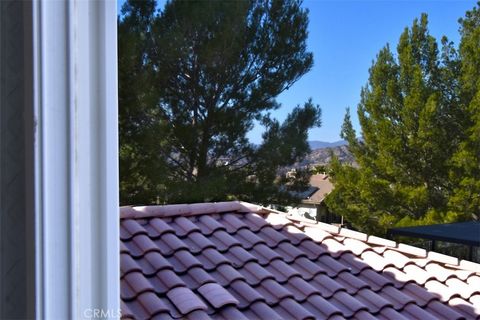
{"x": 76, "y": 158}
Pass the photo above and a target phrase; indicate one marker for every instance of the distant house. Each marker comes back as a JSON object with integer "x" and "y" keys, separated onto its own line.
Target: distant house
{"x": 313, "y": 205}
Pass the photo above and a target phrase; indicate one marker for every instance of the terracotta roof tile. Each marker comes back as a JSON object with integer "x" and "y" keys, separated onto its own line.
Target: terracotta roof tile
{"x": 273, "y": 292}
{"x": 281, "y": 270}
{"x": 255, "y": 222}
{"x": 254, "y": 273}
{"x": 347, "y": 304}
{"x": 398, "y": 259}
{"x": 197, "y": 242}
{"x": 211, "y": 258}
{"x": 264, "y": 254}
{"x": 226, "y": 274}
{"x": 138, "y": 283}
{"x": 233, "y": 260}
{"x": 223, "y": 241}
{"x": 216, "y": 295}
{"x": 184, "y": 226}
{"x": 374, "y": 302}
{"x": 417, "y": 274}
{"x": 130, "y": 228}
{"x": 196, "y": 277}
{"x": 245, "y": 294}
{"x": 321, "y": 308}
{"x": 415, "y": 312}
{"x": 294, "y": 234}
{"x": 397, "y": 297}
{"x": 355, "y": 263}
{"x": 169, "y": 243}
{"x": 317, "y": 234}
{"x": 389, "y": 314}
{"x": 198, "y": 315}
{"x": 356, "y": 246}
{"x": 185, "y": 300}
{"x": 300, "y": 288}
{"x": 259, "y": 310}
{"x": 152, "y": 304}
{"x": 376, "y": 261}
{"x": 233, "y": 223}
{"x": 183, "y": 260}
{"x": 375, "y": 280}
{"x": 239, "y": 256}
{"x": 165, "y": 280}
{"x": 364, "y": 315}
{"x": 157, "y": 227}
{"x": 248, "y": 239}
{"x": 464, "y": 307}
{"x": 128, "y": 264}
{"x": 331, "y": 266}
{"x": 444, "y": 292}
{"x": 291, "y": 309}
{"x": 289, "y": 252}
{"x": 271, "y": 236}
{"x": 230, "y": 312}
{"x": 313, "y": 250}
{"x": 334, "y": 247}
{"x": 326, "y": 286}
{"x": 441, "y": 310}
{"x": 307, "y": 268}
{"x": 350, "y": 282}
{"x": 143, "y": 244}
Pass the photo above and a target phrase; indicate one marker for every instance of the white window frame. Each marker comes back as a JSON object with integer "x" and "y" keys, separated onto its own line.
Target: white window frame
{"x": 76, "y": 159}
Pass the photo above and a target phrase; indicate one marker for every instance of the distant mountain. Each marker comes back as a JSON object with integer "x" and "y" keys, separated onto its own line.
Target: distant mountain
{"x": 323, "y": 156}
{"x": 322, "y": 144}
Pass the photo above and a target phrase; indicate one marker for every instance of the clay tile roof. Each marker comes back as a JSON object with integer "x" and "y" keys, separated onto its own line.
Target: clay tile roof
{"x": 234, "y": 260}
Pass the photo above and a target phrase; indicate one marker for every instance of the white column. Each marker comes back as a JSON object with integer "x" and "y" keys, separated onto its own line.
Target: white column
{"x": 76, "y": 159}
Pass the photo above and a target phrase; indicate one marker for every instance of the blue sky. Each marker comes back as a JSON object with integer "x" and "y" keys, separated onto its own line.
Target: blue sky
{"x": 345, "y": 37}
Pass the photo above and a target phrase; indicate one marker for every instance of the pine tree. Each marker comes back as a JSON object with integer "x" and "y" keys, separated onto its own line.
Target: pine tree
{"x": 466, "y": 173}
{"x": 411, "y": 126}
{"x": 195, "y": 78}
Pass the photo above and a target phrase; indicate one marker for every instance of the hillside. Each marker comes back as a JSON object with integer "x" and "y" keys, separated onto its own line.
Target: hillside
{"x": 322, "y": 156}
{"x": 322, "y": 144}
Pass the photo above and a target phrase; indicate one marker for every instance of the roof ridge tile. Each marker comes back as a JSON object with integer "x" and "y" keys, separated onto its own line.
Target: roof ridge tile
{"x": 353, "y": 234}
{"x": 381, "y": 241}
{"x": 415, "y": 251}
{"x": 469, "y": 265}
{"x": 439, "y": 257}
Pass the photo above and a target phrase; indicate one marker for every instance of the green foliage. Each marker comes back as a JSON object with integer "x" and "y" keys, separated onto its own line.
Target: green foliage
{"x": 193, "y": 80}
{"x": 466, "y": 161}
{"x": 418, "y": 157}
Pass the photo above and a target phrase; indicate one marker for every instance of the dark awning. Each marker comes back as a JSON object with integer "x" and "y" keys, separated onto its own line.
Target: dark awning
{"x": 461, "y": 232}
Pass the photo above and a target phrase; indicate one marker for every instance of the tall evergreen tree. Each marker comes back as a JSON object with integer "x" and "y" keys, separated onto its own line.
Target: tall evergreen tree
{"x": 193, "y": 81}
{"x": 411, "y": 126}
{"x": 466, "y": 173}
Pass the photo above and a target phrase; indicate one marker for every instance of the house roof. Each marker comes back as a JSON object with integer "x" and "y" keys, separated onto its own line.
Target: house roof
{"x": 235, "y": 260}
{"x": 323, "y": 185}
